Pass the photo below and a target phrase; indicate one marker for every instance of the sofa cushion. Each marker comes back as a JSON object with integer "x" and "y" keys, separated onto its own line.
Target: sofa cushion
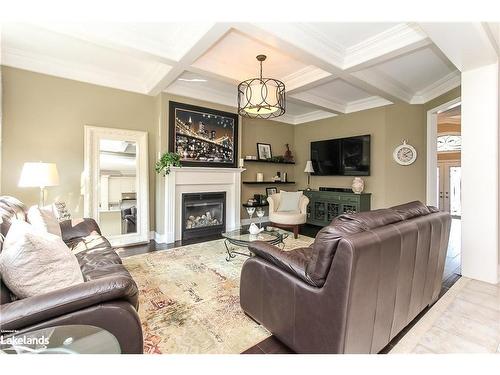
{"x": 412, "y": 209}
{"x": 44, "y": 219}
{"x": 371, "y": 219}
{"x": 34, "y": 262}
{"x": 324, "y": 248}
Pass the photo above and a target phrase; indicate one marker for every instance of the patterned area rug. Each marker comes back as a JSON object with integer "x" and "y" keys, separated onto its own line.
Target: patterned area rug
{"x": 189, "y": 299}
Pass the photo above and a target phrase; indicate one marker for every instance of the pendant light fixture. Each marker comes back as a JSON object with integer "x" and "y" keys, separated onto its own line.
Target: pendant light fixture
{"x": 261, "y": 97}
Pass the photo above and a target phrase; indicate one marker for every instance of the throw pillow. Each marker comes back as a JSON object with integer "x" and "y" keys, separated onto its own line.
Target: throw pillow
{"x": 34, "y": 262}
{"x": 289, "y": 201}
{"x": 43, "y": 219}
{"x": 61, "y": 211}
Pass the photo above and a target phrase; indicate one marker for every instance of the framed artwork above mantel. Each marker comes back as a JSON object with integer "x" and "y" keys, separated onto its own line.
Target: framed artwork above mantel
{"x": 203, "y": 137}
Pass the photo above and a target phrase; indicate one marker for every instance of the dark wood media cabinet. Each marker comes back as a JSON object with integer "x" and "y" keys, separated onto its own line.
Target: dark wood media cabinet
{"x": 324, "y": 206}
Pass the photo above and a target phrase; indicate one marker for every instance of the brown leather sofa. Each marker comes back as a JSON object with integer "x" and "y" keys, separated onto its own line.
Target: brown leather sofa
{"x": 365, "y": 277}
{"x": 107, "y": 299}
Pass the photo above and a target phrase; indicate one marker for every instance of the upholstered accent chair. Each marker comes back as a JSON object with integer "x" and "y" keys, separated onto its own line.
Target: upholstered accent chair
{"x": 287, "y": 219}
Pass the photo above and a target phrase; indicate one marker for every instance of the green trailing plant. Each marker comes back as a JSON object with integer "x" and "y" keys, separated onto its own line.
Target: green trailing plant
{"x": 167, "y": 160}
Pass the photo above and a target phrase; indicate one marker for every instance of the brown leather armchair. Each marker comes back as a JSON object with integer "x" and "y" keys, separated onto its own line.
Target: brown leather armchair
{"x": 108, "y": 297}
{"x": 365, "y": 277}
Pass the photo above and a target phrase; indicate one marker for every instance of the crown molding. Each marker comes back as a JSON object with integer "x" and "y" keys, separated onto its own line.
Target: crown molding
{"x": 304, "y": 77}
{"x": 301, "y": 36}
{"x": 392, "y": 42}
{"x": 437, "y": 88}
{"x": 154, "y": 76}
{"x": 367, "y": 103}
{"x": 40, "y": 63}
{"x": 319, "y": 102}
{"x": 386, "y": 84}
{"x": 312, "y": 116}
{"x": 306, "y": 117}
{"x": 202, "y": 93}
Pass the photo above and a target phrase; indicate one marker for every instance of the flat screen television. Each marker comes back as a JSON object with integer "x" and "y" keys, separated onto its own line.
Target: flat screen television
{"x": 341, "y": 156}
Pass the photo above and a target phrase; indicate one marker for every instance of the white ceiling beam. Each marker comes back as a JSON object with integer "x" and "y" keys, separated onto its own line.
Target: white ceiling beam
{"x": 214, "y": 34}
{"x": 466, "y": 44}
{"x": 212, "y": 75}
{"x": 107, "y": 43}
{"x": 304, "y": 47}
{"x": 394, "y": 42}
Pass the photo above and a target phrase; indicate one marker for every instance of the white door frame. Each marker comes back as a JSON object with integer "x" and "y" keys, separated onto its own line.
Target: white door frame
{"x": 91, "y": 183}
{"x": 431, "y": 192}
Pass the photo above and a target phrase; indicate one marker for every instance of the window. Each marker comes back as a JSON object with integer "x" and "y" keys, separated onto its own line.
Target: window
{"x": 449, "y": 142}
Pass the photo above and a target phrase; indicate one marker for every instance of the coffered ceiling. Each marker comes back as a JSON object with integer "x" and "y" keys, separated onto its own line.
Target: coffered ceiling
{"x": 328, "y": 68}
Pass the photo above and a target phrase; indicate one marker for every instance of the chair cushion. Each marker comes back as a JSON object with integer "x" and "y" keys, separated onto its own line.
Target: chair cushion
{"x": 34, "y": 262}
{"x": 44, "y": 219}
{"x": 289, "y": 201}
{"x": 288, "y": 217}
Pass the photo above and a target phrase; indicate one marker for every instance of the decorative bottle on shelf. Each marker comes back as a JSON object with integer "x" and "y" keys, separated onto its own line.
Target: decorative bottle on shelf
{"x": 285, "y": 177}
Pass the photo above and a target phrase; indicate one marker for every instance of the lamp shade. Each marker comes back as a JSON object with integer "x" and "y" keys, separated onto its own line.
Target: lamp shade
{"x": 309, "y": 167}
{"x": 39, "y": 175}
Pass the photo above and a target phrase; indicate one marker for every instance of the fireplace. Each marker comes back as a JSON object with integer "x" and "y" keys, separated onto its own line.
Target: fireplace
{"x": 203, "y": 214}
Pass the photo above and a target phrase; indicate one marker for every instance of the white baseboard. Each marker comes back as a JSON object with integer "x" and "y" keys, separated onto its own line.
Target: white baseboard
{"x": 159, "y": 238}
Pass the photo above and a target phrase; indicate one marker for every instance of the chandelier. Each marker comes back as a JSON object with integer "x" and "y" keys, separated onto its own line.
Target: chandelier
{"x": 261, "y": 97}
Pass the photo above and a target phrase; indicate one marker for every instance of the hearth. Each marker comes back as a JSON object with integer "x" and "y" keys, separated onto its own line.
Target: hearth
{"x": 203, "y": 214}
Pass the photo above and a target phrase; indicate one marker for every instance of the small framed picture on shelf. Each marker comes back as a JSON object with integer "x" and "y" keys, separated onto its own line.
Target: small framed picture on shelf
{"x": 271, "y": 190}
{"x": 264, "y": 151}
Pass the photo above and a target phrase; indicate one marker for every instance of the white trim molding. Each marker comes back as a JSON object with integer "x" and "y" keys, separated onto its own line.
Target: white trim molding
{"x": 197, "y": 180}
{"x": 438, "y": 88}
{"x": 431, "y": 150}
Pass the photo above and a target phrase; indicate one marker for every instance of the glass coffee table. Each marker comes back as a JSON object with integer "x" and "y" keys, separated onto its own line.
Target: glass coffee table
{"x": 242, "y": 238}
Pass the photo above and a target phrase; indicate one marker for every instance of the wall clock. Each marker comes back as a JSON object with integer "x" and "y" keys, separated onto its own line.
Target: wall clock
{"x": 405, "y": 154}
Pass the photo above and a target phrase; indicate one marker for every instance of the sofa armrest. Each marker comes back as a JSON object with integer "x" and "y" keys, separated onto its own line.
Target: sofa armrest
{"x": 294, "y": 261}
{"x": 77, "y": 228}
{"x": 36, "y": 309}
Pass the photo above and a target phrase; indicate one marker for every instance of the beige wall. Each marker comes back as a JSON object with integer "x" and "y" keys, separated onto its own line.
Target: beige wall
{"x": 389, "y": 182}
{"x": 44, "y": 116}
{"x": 44, "y": 119}
{"x": 371, "y": 122}
{"x": 405, "y": 183}
{"x": 277, "y": 134}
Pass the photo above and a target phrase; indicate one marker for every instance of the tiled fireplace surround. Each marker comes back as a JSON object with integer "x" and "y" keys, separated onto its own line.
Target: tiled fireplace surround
{"x": 200, "y": 180}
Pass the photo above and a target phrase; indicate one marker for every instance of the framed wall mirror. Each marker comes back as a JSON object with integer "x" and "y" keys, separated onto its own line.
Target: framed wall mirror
{"x": 116, "y": 183}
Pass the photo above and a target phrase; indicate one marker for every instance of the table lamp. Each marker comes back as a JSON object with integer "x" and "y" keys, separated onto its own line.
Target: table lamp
{"x": 39, "y": 175}
{"x": 309, "y": 169}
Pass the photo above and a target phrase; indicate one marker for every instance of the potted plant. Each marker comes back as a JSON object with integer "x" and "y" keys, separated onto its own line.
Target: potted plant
{"x": 167, "y": 160}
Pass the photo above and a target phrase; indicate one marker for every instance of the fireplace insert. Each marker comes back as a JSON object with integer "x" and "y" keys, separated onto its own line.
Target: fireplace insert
{"x": 203, "y": 214}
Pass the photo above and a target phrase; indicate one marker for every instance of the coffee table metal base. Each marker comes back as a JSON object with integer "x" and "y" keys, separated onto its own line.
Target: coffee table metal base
{"x": 232, "y": 253}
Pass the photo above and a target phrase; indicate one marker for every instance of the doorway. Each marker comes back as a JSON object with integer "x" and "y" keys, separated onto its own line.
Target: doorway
{"x": 449, "y": 187}
{"x": 447, "y": 141}
{"x": 449, "y": 148}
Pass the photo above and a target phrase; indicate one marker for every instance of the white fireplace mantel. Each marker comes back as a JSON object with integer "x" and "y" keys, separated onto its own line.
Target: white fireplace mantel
{"x": 199, "y": 180}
